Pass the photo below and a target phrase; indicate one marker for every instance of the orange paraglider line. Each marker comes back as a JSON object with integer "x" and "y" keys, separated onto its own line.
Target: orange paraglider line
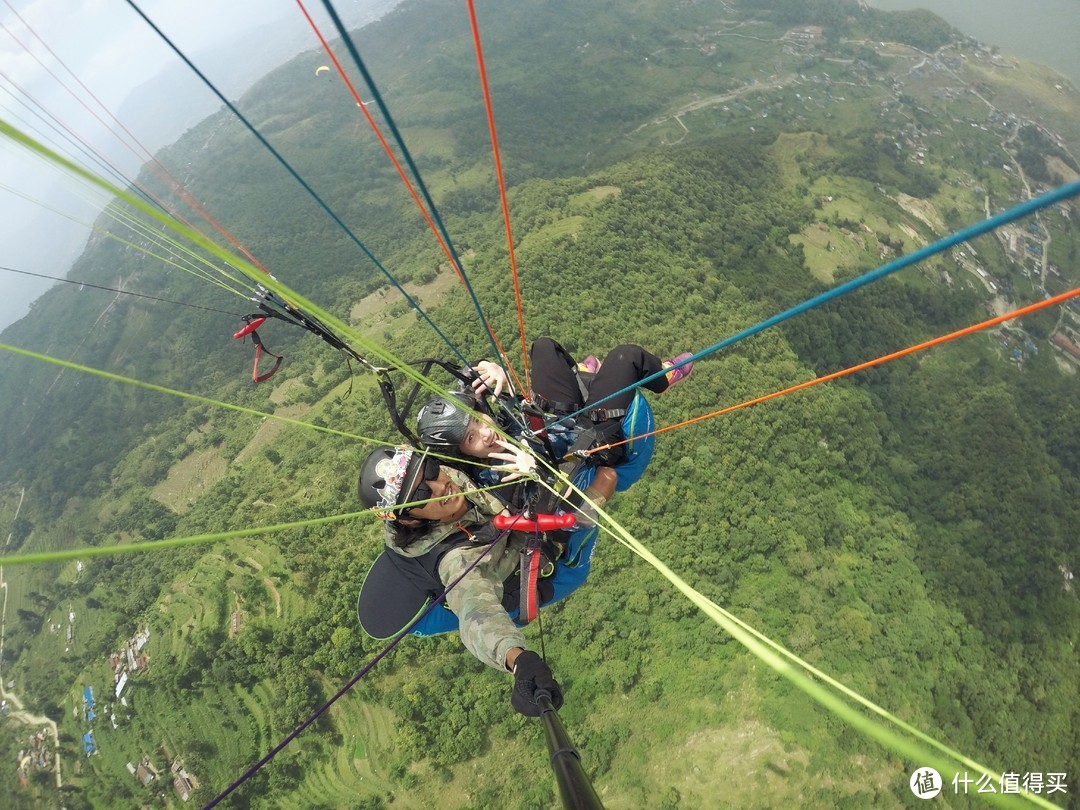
{"x": 502, "y": 183}
{"x": 401, "y": 173}
{"x": 1008, "y": 316}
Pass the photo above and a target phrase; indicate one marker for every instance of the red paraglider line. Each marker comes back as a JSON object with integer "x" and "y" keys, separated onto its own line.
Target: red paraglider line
{"x": 401, "y": 173}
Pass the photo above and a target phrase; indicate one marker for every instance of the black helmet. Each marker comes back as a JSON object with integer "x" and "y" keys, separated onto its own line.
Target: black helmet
{"x": 389, "y": 476}
{"x": 441, "y": 422}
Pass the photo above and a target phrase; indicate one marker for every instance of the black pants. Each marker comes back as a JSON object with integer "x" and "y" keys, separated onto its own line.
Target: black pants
{"x": 554, "y": 380}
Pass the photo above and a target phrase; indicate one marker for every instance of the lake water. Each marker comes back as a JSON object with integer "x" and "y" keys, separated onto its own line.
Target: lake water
{"x": 1044, "y": 31}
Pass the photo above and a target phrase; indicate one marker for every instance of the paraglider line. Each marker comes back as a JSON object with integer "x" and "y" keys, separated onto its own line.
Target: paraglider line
{"x": 38, "y": 558}
{"x": 377, "y": 96}
{"x": 435, "y": 603}
{"x": 1008, "y": 316}
{"x": 122, "y": 292}
{"x": 188, "y": 265}
{"x": 41, "y": 557}
{"x": 488, "y": 106}
{"x": 296, "y": 176}
{"x": 108, "y": 375}
{"x": 1063, "y": 192}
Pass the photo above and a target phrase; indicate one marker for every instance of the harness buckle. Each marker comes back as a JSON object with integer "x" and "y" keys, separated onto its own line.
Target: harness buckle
{"x": 597, "y": 415}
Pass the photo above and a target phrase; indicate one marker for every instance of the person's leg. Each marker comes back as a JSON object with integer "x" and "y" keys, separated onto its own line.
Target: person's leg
{"x": 553, "y": 376}
{"x": 625, "y": 366}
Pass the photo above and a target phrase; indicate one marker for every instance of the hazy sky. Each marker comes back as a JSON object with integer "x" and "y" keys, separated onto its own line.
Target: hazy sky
{"x": 1045, "y": 32}
{"x": 112, "y": 51}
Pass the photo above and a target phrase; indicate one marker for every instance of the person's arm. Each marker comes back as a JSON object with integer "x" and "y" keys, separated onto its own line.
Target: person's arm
{"x": 488, "y": 633}
{"x": 599, "y": 492}
{"x": 603, "y": 484}
{"x": 486, "y": 629}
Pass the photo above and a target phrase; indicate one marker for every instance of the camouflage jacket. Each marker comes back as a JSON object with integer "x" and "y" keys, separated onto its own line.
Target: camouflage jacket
{"x": 486, "y": 629}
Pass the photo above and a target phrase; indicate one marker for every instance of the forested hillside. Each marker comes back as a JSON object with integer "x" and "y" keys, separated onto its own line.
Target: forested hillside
{"x": 677, "y": 172}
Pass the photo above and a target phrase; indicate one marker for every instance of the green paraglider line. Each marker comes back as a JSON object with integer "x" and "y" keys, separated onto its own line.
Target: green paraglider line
{"x": 38, "y": 558}
{"x": 296, "y": 176}
{"x": 173, "y": 542}
{"x": 108, "y": 375}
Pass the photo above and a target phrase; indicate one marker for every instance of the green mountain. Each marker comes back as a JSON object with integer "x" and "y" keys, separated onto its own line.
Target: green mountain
{"x": 677, "y": 172}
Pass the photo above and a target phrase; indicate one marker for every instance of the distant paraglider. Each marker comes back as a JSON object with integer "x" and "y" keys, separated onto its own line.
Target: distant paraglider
{"x": 322, "y": 69}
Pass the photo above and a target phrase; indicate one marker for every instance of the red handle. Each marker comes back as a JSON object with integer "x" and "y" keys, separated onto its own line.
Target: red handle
{"x": 251, "y": 327}
{"x": 543, "y": 523}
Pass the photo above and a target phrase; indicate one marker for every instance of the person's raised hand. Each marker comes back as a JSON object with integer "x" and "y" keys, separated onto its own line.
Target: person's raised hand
{"x": 489, "y": 377}
{"x": 519, "y": 462}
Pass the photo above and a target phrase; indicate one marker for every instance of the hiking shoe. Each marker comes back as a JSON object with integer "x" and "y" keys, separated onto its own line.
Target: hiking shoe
{"x": 682, "y": 372}
{"x": 590, "y": 365}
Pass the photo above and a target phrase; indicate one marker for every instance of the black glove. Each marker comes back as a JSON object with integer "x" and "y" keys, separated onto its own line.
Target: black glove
{"x": 532, "y": 676}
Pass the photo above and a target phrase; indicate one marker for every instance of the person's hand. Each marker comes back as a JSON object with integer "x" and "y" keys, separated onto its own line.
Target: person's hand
{"x": 531, "y": 678}
{"x": 489, "y": 377}
{"x": 519, "y": 463}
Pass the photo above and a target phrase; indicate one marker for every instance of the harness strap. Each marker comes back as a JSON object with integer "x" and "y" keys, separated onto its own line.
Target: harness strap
{"x": 538, "y": 565}
{"x": 584, "y": 389}
{"x": 604, "y": 414}
{"x": 551, "y": 406}
{"x": 529, "y": 604}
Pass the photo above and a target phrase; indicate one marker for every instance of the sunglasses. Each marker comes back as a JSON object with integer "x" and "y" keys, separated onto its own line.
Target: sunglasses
{"x": 423, "y": 491}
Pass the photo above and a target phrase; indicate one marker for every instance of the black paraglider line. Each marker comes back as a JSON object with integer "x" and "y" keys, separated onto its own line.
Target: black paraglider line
{"x": 436, "y": 602}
